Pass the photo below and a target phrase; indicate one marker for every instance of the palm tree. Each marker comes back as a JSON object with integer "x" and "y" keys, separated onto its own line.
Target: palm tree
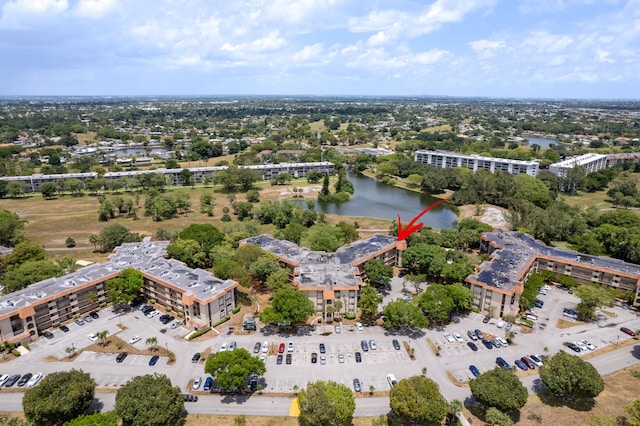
{"x": 71, "y": 350}
{"x": 102, "y": 335}
{"x": 152, "y": 341}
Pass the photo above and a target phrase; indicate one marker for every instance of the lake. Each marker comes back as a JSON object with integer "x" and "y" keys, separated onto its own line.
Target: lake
{"x": 378, "y": 200}
{"x": 544, "y": 143}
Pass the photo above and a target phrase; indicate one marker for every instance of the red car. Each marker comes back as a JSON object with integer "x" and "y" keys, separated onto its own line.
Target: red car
{"x": 281, "y": 348}
{"x": 628, "y": 331}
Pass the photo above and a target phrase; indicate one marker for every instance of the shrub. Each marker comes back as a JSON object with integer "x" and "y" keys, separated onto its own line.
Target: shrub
{"x": 236, "y": 309}
{"x": 15, "y": 352}
{"x": 26, "y": 346}
{"x": 222, "y": 321}
{"x": 55, "y": 325}
{"x": 199, "y": 333}
{"x": 350, "y": 316}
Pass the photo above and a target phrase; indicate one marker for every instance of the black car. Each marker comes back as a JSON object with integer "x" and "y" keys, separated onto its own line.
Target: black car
{"x": 154, "y": 359}
{"x": 94, "y": 315}
{"x": 11, "y": 380}
{"x": 358, "y": 357}
{"x": 24, "y": 379}
{"x": 64, "y": 328}
{"x": 289, "y": 358}
{"x": 396, "y": 345}
{"x": 48, "y": 334}
{"x": 364, "y": 345}
{"x": 479, "y": 334}
{"x": 487, "y": 344}
{"x": 195, "y": 357}
{"x": 486, "y": 319}
{"x": 256, "y": 347}
{"x": 190, "y": 398}
{"x": 253, "y": 383}
{"x": 473, "y": 346}
{"x": 121, "y": 356}
{"x": 148, "y": 309}
{"x": 323, "y": 349}
{"x": 279, "y": 359}
{"x": 573, "y": 346}
{"x": 356, "y": 385}
{"x": 502, "y": 363}
{"x": 314, "y": 358}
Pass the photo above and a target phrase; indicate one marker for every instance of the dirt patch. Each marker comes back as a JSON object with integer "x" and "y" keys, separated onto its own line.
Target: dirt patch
{"x": 489, "y": 214}
{"x": 435, "y": 348}
{"x": 562, "y": 323}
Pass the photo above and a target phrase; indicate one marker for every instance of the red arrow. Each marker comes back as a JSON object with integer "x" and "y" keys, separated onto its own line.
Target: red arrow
{"x": 412, "y": 227}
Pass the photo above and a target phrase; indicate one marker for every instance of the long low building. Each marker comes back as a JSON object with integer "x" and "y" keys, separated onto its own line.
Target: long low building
{"x": 499, "y": 282}
{"x": 193, "y": 294}
{"x": 173, "y": 176}
{"x": 448, "y": 159}
{"x": 328, "y": 277}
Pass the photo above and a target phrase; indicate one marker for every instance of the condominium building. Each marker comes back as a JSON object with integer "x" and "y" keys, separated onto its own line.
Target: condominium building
{"x": 193, "y": 294}
{"x": 591, "y": 162}
{"x": 448, "y": 159}
{"x": 173, "y": 176}
{"x": 499, "y": 282}
{"x": 328, "y": 277}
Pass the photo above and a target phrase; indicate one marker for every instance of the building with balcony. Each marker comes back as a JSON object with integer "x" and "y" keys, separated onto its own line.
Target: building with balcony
{"x": 448, "y": 159}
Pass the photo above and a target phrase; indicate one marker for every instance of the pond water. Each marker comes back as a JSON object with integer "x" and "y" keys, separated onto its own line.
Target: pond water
{"x": 378, "y": 200}
{"x": 544, "y": 143}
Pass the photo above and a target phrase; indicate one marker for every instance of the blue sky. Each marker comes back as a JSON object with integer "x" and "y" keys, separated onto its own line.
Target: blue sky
{"x": 494, "y": 48}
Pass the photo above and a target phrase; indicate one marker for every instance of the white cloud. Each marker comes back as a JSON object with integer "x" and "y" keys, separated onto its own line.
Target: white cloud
{"x": 22, "y": 14}
{"x": 379, "y": 39}
{"x": 487, "y": 48}
{"x": 603, "y": 57}
{"x": 309, "y": 53}
{"x": 544, "y": 42}
{"x": 94, "y": 9}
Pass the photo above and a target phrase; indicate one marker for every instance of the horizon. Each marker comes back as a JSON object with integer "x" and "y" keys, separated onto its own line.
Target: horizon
{"x": 497, "y": 49}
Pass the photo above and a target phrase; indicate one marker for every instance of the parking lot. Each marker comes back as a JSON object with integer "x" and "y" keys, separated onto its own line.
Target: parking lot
{"x": 453, "y": 362}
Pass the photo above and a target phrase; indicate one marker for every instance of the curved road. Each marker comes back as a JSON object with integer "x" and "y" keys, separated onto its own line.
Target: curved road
{"x": 280, "y": 406}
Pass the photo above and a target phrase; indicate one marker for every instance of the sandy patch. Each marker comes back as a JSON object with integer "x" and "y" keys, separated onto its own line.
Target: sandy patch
{"x": 491, "y": 215}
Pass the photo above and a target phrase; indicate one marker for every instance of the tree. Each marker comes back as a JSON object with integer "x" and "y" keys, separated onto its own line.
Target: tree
{"x": 418, "y": 399}
{"x": 70, "y": 242}
{"x": 368, "y": 303}
{"x": 114, "y": 235}
{"x": 102, "y": 335}
{"x": 18, "y": 277}
{"x": 499, "y": 388}
{"x": 247, "y": 254}
{"x": 253, "y": 196}
{"x": 59, "y": 397}
{"x": 152, "y": 342}
{"x": 189, "y": 252}
{"x": 126, "y": 287}
{"x": 150, "y": 400}
{"x": 592, "y": 296}
{"x": 204, "y": 234}
{"x": 323, "y": 237}
{"x": 568, "y": 376}
{"x": 436, "y": 302}
{"x": 263, "y": 267}
{"x": 97, "y": 419}
{"x": 11, "y": 228}
{"x": 16, "y": 189}
{"x": 401, "y": 313}
{"x": 289, "y": 306}
{"x": 326, "y": 404}
{"x": 26, "y": 251}
{"x": 48, "y": 190}
{"x": 497, "y": 417}
{"x": 279, "y": 279}
{"x": 634, "y": 412}
{"x": 378, "y": 272}
{"x": 232, "y": 368}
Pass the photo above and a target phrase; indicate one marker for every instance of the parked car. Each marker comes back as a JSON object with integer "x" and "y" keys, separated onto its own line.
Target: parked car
{"x": 154, "y": 360}
{"x": 473, "y": 346}
{"x": 359, "y": 326}
{"x": 289, "y": 358}
{"x": 537, "y": 360}
{"x": 92, "y": 337}
{"x": 472, "y": 335}
{"x": 581, "y": 345}
{"x": 281, "y": 348}
{"x": 64, "y": 328}
{"x": 396, "y": 344}
{"x": 196, "y": 383}
{"x": 487, "y": 344}
{"x": 253, "y": 383}
{"x": 323, "y": 349}
{"x": 486, "y": 319}
{"x": 134, "y": 340}
{"x": 572, "y": 346}
{"x": 153, "y": 314}
{"x": 530, "y": 364}
{"x": 48, "y": 334}
{"x": 538, "y": 303}
{"x": 290, "y": 347}
{"x": 521, "y": 365}
{"x": 176, "y": 324}
{"x": 392, "y": 380}
{"x": 223, "y": 347}
{"x": 94, "y": 315}
{"x": 458, "y": 337}
{"x": 24, "y": 379}
{"x": 474, "y": 370}
{"x": 79, "y": 321}
{"x": 190, "y": 398}
{"x": 265, "y": 347}
{"x": 628, "y": 331}
{"x": 502, "y": 341}
{"x": 208, "y": 382}
{"x": 358, "y": 357}
{"x": 372, "y": 345}
{"x": 496, "y": 343}
{"x": 449, "y": 337}
{"x": 196, "y": 357}
{"x": 341, "y": 358}
{"x": 502, "y": 363}
{"x": 338, "y": 329}
{"x": 323, "y": 359}
{"x": 500, "y": 324}
{"x": 256, "y": 347}
{"x": 11, "y": 380}
{"x": 232, "y": 346}
{"x": 121, "y": 356}
{"x": 87, "y": 318}
{"x": 570, "y": 313}
{"x": 589, "y": 345}
{"x": 279, "y": 359}
{"x": 364, "y": 345}
{"x": 479, "y": 334}
{"x": 34, "y": 379}
{"x": 357, "y": 386}
{"x": 3, "y": 379}
{"x": 314, "y": 357}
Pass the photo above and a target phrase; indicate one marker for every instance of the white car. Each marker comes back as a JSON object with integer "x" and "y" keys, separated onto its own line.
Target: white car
{"x": 176, "y": 324}
{"x": 536, "y": 359}
{"x": 223, "y": 347}
{"x": 392, "y": 380}
{"x": 581, "y": 345}
{"x": 196, "y": 383}
{"x": 265, "y": 347}
{"x": 134, "y": 340}
{"x": 449, "y": 337}
{"x": 359, "y": 326}
{"x": 372, "y": 345}
{"x": 338, "y": 329}
{"x": 500, "y": 324}
{"x": 341, "y": 358}
{"x": 263, "y": 358}
{"x": 232, "y": 346}
{"x": 589, "y": 345}
{"x": 323, "y": 359}
{"x": 3, "y": 379}
{"x": 92, "y": 337}
{"x": 290, "y": 347}
{"x": 458, "y": 337}
{"x": 34, "y": 379}
{"x": 502, "y": 341}
{"x": 153, "y": 314}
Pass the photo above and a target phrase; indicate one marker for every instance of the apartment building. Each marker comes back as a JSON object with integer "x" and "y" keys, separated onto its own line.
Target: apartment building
{"x": 328, "y": 277}
{"x": 448, "y": 159}
{"x": 200, "y": 298}
{"x": 591, "y": 162}
{"x": 499, "y": 282}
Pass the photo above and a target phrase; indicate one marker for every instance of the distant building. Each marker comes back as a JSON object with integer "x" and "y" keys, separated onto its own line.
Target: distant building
{"x": 202, "y": 299}
{"x": 593, "y": 162}
{"x": 327, "y": 277}
{"x": 499, "y": 282}
{"x": 448, "y": 159}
